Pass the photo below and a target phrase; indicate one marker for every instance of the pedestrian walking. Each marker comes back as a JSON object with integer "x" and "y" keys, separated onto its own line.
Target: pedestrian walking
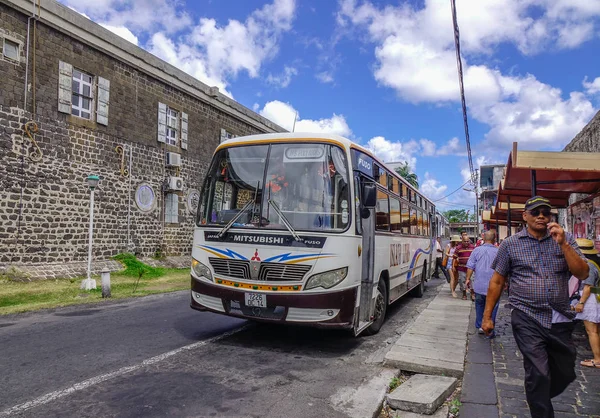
{"x": 461, "y": 255}
{"x": 438, "y": 258}
{"x": 449, "y": 261}
{"x": 538, "y": 260}
{"x": 480, "y": 263}
{"x": 588, "y": 305}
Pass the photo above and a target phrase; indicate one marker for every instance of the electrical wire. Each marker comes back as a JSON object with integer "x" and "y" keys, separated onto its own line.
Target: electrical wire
{"x": 462, "y": 91}
{"x": 448, "y": 195}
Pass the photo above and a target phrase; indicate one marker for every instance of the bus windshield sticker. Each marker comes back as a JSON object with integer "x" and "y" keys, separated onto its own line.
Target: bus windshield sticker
{"x": 266, "y": 239}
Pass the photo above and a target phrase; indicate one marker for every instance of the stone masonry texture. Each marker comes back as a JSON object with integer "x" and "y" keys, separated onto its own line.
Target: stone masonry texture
{"x": 44, "y": 205}
{"x": 588, "y": 140}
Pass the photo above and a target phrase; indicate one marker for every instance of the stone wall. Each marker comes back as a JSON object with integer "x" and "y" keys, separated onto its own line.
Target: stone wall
{"x": 44, "y": 202}
{"x": 588, "y": 140}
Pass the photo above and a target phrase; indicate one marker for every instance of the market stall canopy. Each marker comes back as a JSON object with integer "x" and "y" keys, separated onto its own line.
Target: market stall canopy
{"x": 554, "y": 175}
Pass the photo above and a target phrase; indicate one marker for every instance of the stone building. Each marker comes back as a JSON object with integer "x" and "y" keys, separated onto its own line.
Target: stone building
{"x": 588, "y": 140}
{"x": 582, "y": 218}
{"x": 76, "y": 100}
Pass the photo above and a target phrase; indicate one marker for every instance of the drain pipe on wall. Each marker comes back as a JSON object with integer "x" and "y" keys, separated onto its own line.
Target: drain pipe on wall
{"x": 129, "y": 242}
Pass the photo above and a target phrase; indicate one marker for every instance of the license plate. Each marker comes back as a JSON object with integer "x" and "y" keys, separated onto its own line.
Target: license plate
{"x": 256, "y": 299}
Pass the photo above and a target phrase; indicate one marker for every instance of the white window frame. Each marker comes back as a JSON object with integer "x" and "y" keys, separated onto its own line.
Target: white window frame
{"x": 172, "y": 208}
{"x": 17, "y": 47}
{"x": 82, "y": 83}
{"x": 172, "y": 135}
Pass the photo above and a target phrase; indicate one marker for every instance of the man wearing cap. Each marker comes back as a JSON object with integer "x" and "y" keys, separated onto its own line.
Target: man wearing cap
{"x": 539, "y": 260}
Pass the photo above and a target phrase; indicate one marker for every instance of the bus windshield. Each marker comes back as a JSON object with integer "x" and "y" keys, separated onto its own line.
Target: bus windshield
{"x": 308, "y": 184}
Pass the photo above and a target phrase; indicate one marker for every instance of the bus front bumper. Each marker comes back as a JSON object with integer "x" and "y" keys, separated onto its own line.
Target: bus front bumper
{"x": 325, "y": 310}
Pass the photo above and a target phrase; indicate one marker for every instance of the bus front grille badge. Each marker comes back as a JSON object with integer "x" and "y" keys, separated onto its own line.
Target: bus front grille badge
{"x": 254, "y": 269}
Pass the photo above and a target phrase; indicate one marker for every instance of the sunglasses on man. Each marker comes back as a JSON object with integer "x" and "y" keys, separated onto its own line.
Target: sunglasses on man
{"x": 536, "y": 212}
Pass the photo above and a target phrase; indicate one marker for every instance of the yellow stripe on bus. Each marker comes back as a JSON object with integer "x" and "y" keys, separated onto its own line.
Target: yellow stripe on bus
{"x": 248, "y": 286}
{"x": 213, "y": 252}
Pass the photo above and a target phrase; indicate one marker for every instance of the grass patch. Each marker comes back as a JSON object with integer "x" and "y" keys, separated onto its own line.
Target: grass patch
{"x": 135, "y": 268}
{"x": 394, "y": 383}
{"x": 16, "y": 297}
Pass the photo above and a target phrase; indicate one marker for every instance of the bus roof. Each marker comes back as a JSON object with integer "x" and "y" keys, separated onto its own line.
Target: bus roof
{"x": 303, "y": 137}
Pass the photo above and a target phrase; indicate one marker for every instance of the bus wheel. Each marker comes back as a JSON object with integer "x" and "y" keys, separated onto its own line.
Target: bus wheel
{"x": 420, "y": 289}
{"x": 381, "y": 302}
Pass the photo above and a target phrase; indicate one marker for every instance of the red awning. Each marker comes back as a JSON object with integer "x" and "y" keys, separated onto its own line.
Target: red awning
{"x": 557, "y": 175}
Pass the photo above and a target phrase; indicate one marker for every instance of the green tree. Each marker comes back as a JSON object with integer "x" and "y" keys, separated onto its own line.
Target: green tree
{"x": 456, "y": 215}
{"x": 405, "y": 172}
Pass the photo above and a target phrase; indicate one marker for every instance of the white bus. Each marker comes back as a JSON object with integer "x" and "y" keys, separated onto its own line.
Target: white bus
{"x": 307, "y": 229}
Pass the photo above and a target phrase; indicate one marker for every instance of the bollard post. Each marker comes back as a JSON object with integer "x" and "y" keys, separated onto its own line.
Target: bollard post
{"x": 105, "y": 283}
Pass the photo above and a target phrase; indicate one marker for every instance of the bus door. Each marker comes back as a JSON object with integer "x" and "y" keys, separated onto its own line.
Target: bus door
{"x": 366, "y": 192}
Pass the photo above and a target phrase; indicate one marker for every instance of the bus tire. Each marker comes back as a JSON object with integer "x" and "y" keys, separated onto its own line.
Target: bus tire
{"x": 420, "y": 289}
{"x": 381, "y": 303}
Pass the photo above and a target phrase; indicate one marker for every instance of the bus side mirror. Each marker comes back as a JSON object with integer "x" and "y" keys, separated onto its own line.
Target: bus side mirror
{"x": 369, "y": 195}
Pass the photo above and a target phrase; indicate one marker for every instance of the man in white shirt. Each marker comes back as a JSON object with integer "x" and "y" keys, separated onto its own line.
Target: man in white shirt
{"x": 438, "y": 258}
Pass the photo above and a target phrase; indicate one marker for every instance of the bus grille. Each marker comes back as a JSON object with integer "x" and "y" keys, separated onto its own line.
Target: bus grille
{"x": 240, "y": 269}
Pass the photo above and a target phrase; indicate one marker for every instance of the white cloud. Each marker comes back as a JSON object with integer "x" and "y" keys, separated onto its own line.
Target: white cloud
{"x": 415, "y": 56}
{"x": 394, "y": 152}
{"x": 325, "y": 77}
{"x": 284, "y": 114}
{"x": 428, "y": 147}
{"x": 283, "y": 80}
{"x": 140, "y": 15}
{"x": 592, "y": 87}
{"x": 454, "y": 146}
{"x": 123, "y": 32}
{"x": 207, "y": 50}
{"x": 432, "y": 188}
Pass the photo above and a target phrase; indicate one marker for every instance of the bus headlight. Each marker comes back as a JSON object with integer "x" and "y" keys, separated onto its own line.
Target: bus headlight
{"x": 201, "y": 270}
{"x": 327, "y": 279}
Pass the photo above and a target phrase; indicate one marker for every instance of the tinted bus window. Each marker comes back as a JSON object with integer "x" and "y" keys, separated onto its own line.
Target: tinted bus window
{"x": 383, "y": 178}
{"x": 420, "y": 223}
{"x": 382, "y": 212}
{"x": 404, "y": 191}
{"x": 426, "y": 231}
{"x": 394, "y": 186}
{"x": 395, "y": 221}
{"x": 413, "y": 221}
{"x": 405, "y": 218}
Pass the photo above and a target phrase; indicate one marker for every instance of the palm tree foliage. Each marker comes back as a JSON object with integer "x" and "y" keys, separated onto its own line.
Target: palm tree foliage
{"x": 405, "y": 172}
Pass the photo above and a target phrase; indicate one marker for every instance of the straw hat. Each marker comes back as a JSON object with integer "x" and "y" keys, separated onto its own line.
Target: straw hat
{"x": 586, "y": 246}
{"x": 455, "y": 238}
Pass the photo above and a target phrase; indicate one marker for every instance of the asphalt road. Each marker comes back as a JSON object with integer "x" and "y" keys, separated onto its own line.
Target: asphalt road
{"x": 156, "y": 357}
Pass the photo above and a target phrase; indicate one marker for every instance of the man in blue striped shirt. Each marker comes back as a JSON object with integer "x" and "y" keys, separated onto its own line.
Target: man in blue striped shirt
{"x": 539, "y": 261}
{"x": 480, "y": 262}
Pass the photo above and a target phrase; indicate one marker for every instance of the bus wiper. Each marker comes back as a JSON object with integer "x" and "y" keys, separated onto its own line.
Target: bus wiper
{"x": 235, "y": 218}
{"x": 240, "y": 213}
{"x": 285, "y": 221}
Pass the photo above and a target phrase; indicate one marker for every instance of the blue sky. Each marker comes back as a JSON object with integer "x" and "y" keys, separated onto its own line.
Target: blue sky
{"x": 383, "y": 73}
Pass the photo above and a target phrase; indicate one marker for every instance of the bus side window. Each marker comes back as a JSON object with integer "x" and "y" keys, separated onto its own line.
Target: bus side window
{"x": 405, "y": 218}
{"x": 395, "y": 214}
{"x": 382, "y": 212}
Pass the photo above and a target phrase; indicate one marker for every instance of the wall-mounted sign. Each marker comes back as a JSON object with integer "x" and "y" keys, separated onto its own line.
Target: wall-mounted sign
{"x": 145, "y": 198}
{"x": 192, "y": 200}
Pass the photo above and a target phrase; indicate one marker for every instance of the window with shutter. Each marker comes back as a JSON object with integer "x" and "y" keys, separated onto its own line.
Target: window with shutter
{"x": 103, "y": 95}
{"x": 65, "y": 80}
{"x": 172, "y": 208}
{"x": 81, "y": 95}
{"x": 172, "y": 126}
{"x": 184, "y": 130}
{"x": 162, "y": 122}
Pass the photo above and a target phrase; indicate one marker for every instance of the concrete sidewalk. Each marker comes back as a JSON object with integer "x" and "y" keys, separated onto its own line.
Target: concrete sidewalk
{"x": 436, "y": 342}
